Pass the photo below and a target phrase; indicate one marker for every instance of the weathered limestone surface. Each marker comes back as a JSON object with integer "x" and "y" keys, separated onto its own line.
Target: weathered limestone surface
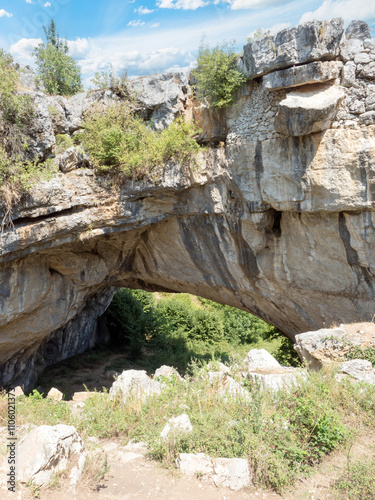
{"x": 278, "y": 225}
{"x": 310, "y": 109}
{"x": 312, "y": 41}
{"x": 314, "y": 72}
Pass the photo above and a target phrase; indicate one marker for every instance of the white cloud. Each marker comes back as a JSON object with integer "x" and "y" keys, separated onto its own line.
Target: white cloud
{"x": 22, "y": 50}
{"x": 4, "y": 13}
{"x": 138, "y": 22}
{"x": 143, "y": 10}
{"x": 347, "y": 9}
{"x": 155, "y": 25}
{"x": 78, "y": 48}
{"x": 47, "y": 4}
{"x": 182, "y": 4}
{"x": 29, "y": 1}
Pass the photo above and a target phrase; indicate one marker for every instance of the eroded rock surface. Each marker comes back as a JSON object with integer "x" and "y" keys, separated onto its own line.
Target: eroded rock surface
{"x": 278, "y": 225}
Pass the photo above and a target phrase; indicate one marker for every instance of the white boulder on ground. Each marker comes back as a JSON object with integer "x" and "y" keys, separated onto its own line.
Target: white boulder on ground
{"x": 46, "y": 450}
{"x": 177, "y": 425}
{"x": 359, "y": 369}
{"x": 227, "y": 386}
{"x": 167, "y": 371}
{"x": 55, "y": 394}
{"x": 135, "y": 384}
{"x": 233, "y": 473}
{"x": 283, "y": 377}
{"x": 260, "y": 359}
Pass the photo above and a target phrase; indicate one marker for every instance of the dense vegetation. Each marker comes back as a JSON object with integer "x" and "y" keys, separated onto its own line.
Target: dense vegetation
{"x": 57, "y": 70}
{"x": 17, "y": 173}
{"x": 179, "y": 327}
{"x": 283, "y": 434}
{"x": 121, "y": 143}
{"x": 217, "y": 76}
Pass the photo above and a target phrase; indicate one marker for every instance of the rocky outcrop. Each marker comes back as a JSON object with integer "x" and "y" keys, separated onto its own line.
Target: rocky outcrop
{"x": 277, "y": 222}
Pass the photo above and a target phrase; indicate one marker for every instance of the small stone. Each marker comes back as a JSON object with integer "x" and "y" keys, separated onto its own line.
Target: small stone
{"x": 358, "y": 30}
{"x": 55, "y": 394}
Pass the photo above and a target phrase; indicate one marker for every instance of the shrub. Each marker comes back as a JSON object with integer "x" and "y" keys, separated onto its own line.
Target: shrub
{"x": 358, "y": 481}
{"x": 217, "y": 77}
{"x": 109, "y": 79}
{"x": 120, "y": 142}
{"x": 57, "y": 70}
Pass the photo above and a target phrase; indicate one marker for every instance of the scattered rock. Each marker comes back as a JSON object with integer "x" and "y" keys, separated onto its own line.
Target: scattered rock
{"x": 167, "y": 371}
{"x": 81, "y": 397}
{"x": 55, "y": 394}
{"x": 322, "y": 347}
{"x": 177, "y": 425}
{"x": 359, "y": 369}
{"x": 18, "y": 391}
{"x": 227, "y": 386}
{"x": 260, "y": 359}
{"x": 310, "y": 109}
{"x": 277, "y": 379}
{"x": 47, "y": 450}
{"x": 135, "y": 384}
{"x": 72, "y": 159}
{"x": 228, "y": 472}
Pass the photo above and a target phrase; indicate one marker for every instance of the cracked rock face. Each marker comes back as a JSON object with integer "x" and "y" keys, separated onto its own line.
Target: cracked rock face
{"x": 277, "y": 223}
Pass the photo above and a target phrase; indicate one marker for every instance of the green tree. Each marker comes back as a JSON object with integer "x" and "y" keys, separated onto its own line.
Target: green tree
{"x": 57, "y": 70}
{"x": 217, "y": 77}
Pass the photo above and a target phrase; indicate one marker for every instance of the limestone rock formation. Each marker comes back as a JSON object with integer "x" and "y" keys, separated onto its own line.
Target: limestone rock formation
{"x": 277, "y": 224}
{"x": 305, "y": 43}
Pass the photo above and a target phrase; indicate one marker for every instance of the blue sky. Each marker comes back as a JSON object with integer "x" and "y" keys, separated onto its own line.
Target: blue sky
{"x": 152, "y": 36}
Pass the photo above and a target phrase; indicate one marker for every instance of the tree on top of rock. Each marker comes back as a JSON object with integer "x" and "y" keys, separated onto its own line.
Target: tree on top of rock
{"x": 57, "y": 70}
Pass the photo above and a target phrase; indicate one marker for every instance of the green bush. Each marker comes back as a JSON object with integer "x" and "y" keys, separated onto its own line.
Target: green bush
{"x": 57, "y": 70}
{"x": 358, "y": 481}
{"x": 15, "y": 108}
{"x": 120, "y": 142}
{"x": 217, "y": 77}
{"x": 109, "y": 79}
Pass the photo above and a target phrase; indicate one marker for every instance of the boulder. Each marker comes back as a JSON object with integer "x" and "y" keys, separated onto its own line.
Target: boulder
{"x": 177, "y": 425}
{"x": 46, "y": 450}
{"x": 309, "y": 109}
{"x": 134, "y": 384}
{"x": 163, "y": 97}
{"x": 323, "y": 347}
{"x": 227, "y": 386}
{"x": 304, "y": 43}
{"x": 72, "y": 159}
{"x": 168, "y": 372}
{"x": 359, "y": 369}
{"x": 319, "y": 347}
{"x": 276, "y": 379}
{"x": 358, "y": 30}
{"x": 313, "y": 72}
{"x": 260, "y": 359}
{"x": 55, "y": 394}
{"x": 232, "y": 473}
{"x": 18, "y": 391}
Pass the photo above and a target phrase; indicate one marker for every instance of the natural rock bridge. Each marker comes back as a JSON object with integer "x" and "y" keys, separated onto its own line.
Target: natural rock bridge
{"x": 278, "y": 219}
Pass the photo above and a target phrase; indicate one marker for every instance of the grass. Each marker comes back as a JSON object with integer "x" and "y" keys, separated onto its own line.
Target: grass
{"x": 282, "y": 434}
{"x": 357, "y": 482}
